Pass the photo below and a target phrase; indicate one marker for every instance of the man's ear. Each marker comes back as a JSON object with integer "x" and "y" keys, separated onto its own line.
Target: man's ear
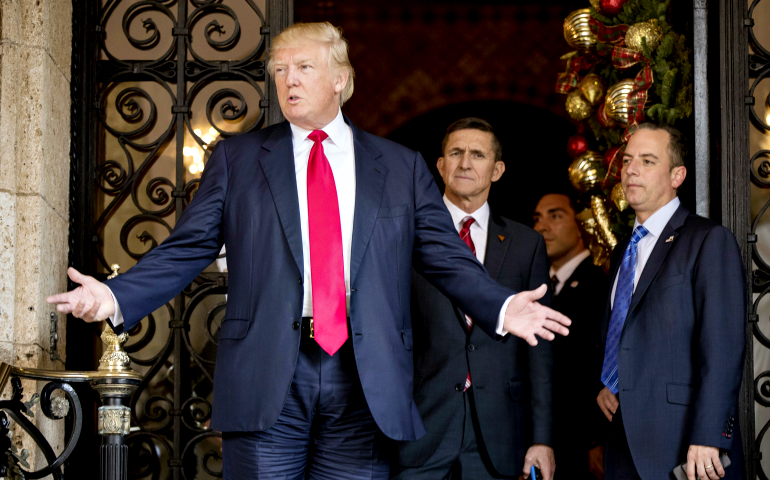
{"x": 440, "y": 164}
{"x": 499, "y": 170}
{"x": 340, "y": 81}
{"x": 678, "y": 175}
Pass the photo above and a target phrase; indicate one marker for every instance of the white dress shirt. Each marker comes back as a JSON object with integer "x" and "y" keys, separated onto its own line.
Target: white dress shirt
{"x": 340, "y": 153}
{"x": 566, "y": 270}
{"x": 654, "y": 225}
{"x": 479, "y": 230}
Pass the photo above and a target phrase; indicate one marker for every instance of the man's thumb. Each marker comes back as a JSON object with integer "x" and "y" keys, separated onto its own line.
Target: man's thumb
{"x": 536, "y": 294}
{"x": 75, "y": 276}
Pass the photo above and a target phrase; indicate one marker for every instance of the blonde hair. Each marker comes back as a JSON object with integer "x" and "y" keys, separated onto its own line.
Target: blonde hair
{"x": 323, "y": 33}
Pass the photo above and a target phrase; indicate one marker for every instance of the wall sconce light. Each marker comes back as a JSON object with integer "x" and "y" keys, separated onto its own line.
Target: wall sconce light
{"x": 196, "y": 153}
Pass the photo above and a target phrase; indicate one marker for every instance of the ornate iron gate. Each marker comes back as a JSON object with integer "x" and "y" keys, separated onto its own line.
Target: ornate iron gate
{"x": 758, "y": 102}
{"x": 743, "y": 105}
{"x": 155, "y": 84}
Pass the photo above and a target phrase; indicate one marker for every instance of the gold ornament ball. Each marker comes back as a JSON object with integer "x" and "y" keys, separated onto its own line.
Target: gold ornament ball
{"x": 577, "y": 31}
{"x": 587, "y": 171}
{"x": 593, "y": 87}
{"x": 649, "y": 30}
{"x": 616, "y": 103}
{"x": 618, "y": 197}
{"x": 578, "y": 107}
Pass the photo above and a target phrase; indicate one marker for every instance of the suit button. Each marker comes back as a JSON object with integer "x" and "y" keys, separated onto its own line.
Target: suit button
{"x": 295, "y": 325}
{"x": 459, "y": 387}
{"x": 300, "y": 281}
{"x": 471, "y": 347}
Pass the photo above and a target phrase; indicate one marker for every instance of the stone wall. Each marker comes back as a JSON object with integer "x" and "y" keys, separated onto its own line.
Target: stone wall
{"x": 35, "y": 53}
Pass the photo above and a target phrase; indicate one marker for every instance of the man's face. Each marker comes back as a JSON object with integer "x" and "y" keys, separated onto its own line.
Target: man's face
{"x": 555, "y": 221}
{"x": 647, "y": 179}
{"x": 468, "y": 166}
{"x": 308, "y": 92}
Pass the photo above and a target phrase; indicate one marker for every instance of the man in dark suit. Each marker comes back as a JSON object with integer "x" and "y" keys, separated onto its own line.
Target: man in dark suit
{"x": 486, "y": 404}
{"x": 674, "y": 327}
{"x": 580, "y": 292}
{"x": 313, "y": 370}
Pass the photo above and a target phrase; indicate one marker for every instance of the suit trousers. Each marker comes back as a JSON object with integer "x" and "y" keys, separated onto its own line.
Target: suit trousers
{"x": 325, "y": 430}
{"x": 459, "y": 456}
{"x": 618, "y": 463}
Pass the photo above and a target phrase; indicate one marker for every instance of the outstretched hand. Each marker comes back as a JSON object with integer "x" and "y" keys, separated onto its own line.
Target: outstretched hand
{"x": 525, "y": 317}
{"x": 91, "y": 301}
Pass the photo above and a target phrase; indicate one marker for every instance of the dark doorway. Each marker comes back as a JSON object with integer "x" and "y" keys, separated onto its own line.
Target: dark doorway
{"x": 533, "y": 143}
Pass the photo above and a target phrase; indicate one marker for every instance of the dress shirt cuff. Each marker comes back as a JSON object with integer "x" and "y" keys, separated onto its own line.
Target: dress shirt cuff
{"x": 117, "y": 318}
{"x": 500, "y": 318}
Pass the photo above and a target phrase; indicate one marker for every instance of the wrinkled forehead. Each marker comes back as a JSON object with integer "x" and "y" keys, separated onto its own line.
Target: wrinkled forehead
{"x": 318, "y": 52}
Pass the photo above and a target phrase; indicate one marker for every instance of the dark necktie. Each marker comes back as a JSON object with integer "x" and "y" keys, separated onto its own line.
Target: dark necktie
{"x": 554, "y": 283}
{"x": 624, "y": 291}
{"x": 327, "y": 268}
{"x": 465, "y": 235}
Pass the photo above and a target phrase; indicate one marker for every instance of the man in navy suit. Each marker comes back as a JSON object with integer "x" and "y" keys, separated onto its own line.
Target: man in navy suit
{"x": 673, "y": 331}
{"x": 486, "y": 404}
{"x": 323, "y": 224}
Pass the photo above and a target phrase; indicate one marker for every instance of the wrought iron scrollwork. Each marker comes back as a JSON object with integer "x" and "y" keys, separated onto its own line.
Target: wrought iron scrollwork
{"x": 759, "y": 71}
{"x": 172, "y": 77}
{"x": 55, "y": 408}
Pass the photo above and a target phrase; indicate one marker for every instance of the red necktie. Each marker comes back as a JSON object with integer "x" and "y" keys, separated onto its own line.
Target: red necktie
{"x": 465, "y": 235}
{"x": 327, "y": 269}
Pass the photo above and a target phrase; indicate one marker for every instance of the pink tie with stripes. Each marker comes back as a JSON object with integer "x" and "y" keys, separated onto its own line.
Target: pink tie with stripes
{"x": 327, "y": 269}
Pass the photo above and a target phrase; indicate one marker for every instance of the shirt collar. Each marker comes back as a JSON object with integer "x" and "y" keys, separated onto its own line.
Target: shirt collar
{"x": 569, "y": 268}
{"x": 658, "y": 220}
{"x": 337, "y": 130}
{"x": 481, "y": 215}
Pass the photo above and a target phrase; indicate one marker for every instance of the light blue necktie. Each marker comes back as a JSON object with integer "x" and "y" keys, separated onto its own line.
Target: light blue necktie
{"x": 623, "y": 294}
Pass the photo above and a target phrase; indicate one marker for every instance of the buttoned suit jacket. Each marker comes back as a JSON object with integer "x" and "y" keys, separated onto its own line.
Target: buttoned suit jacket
{"x": 680, "y": 356}
{"x": 248, "y": 200}
{"x": 577, "y": 360}
{"x": 511, "y": 380}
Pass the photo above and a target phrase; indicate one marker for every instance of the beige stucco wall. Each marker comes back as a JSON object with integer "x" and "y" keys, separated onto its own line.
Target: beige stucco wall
{"x": 35, "y": 52}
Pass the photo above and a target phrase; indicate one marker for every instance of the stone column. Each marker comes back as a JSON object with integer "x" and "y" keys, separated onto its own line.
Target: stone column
{"x": 35, "y": 53}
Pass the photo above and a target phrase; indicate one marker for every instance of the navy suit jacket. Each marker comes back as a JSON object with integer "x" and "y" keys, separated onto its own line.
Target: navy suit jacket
{"x": 248, "y": 200}
{"x": 511, "y": 380}
{"x": 680, "y": 357}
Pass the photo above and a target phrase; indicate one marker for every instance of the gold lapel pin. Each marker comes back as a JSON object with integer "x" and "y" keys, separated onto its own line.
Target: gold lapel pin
{"x": 501, "y": 237}
{"x": 670, "y": 239}
{"x": 574, "y": 284}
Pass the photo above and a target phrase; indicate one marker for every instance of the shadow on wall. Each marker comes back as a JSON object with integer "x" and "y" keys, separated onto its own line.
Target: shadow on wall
{"x": 534, "y": 149}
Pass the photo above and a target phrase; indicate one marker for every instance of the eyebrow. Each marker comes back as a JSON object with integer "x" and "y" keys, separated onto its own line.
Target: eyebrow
{"x": 472, "y": 150}
{"x": 644, "y": 155}
{"x": 550, "y": 210}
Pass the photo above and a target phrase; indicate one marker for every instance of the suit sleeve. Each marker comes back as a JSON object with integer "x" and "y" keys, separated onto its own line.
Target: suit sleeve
{"x": 719, "y": 298}
{"x": 445, "y": 261}
{"x": 541, "y": 359}
{"x": 194, "y": 243}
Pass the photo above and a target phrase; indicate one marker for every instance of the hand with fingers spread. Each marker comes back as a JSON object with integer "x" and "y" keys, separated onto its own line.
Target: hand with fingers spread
{"x": 92, "y": 300}
{"x": 608, "y": 403}
{"x": 542, "y": 457}
{"x": 525, "y": 317}
{"x": 703, "y": 462}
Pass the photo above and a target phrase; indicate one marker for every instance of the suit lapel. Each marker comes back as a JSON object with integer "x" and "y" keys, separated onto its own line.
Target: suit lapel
{"x": 278, "y": 166}
{"x": 496, "y": 248}
{"x": 662, "y": 246}
{"x": 370, "y": 183}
